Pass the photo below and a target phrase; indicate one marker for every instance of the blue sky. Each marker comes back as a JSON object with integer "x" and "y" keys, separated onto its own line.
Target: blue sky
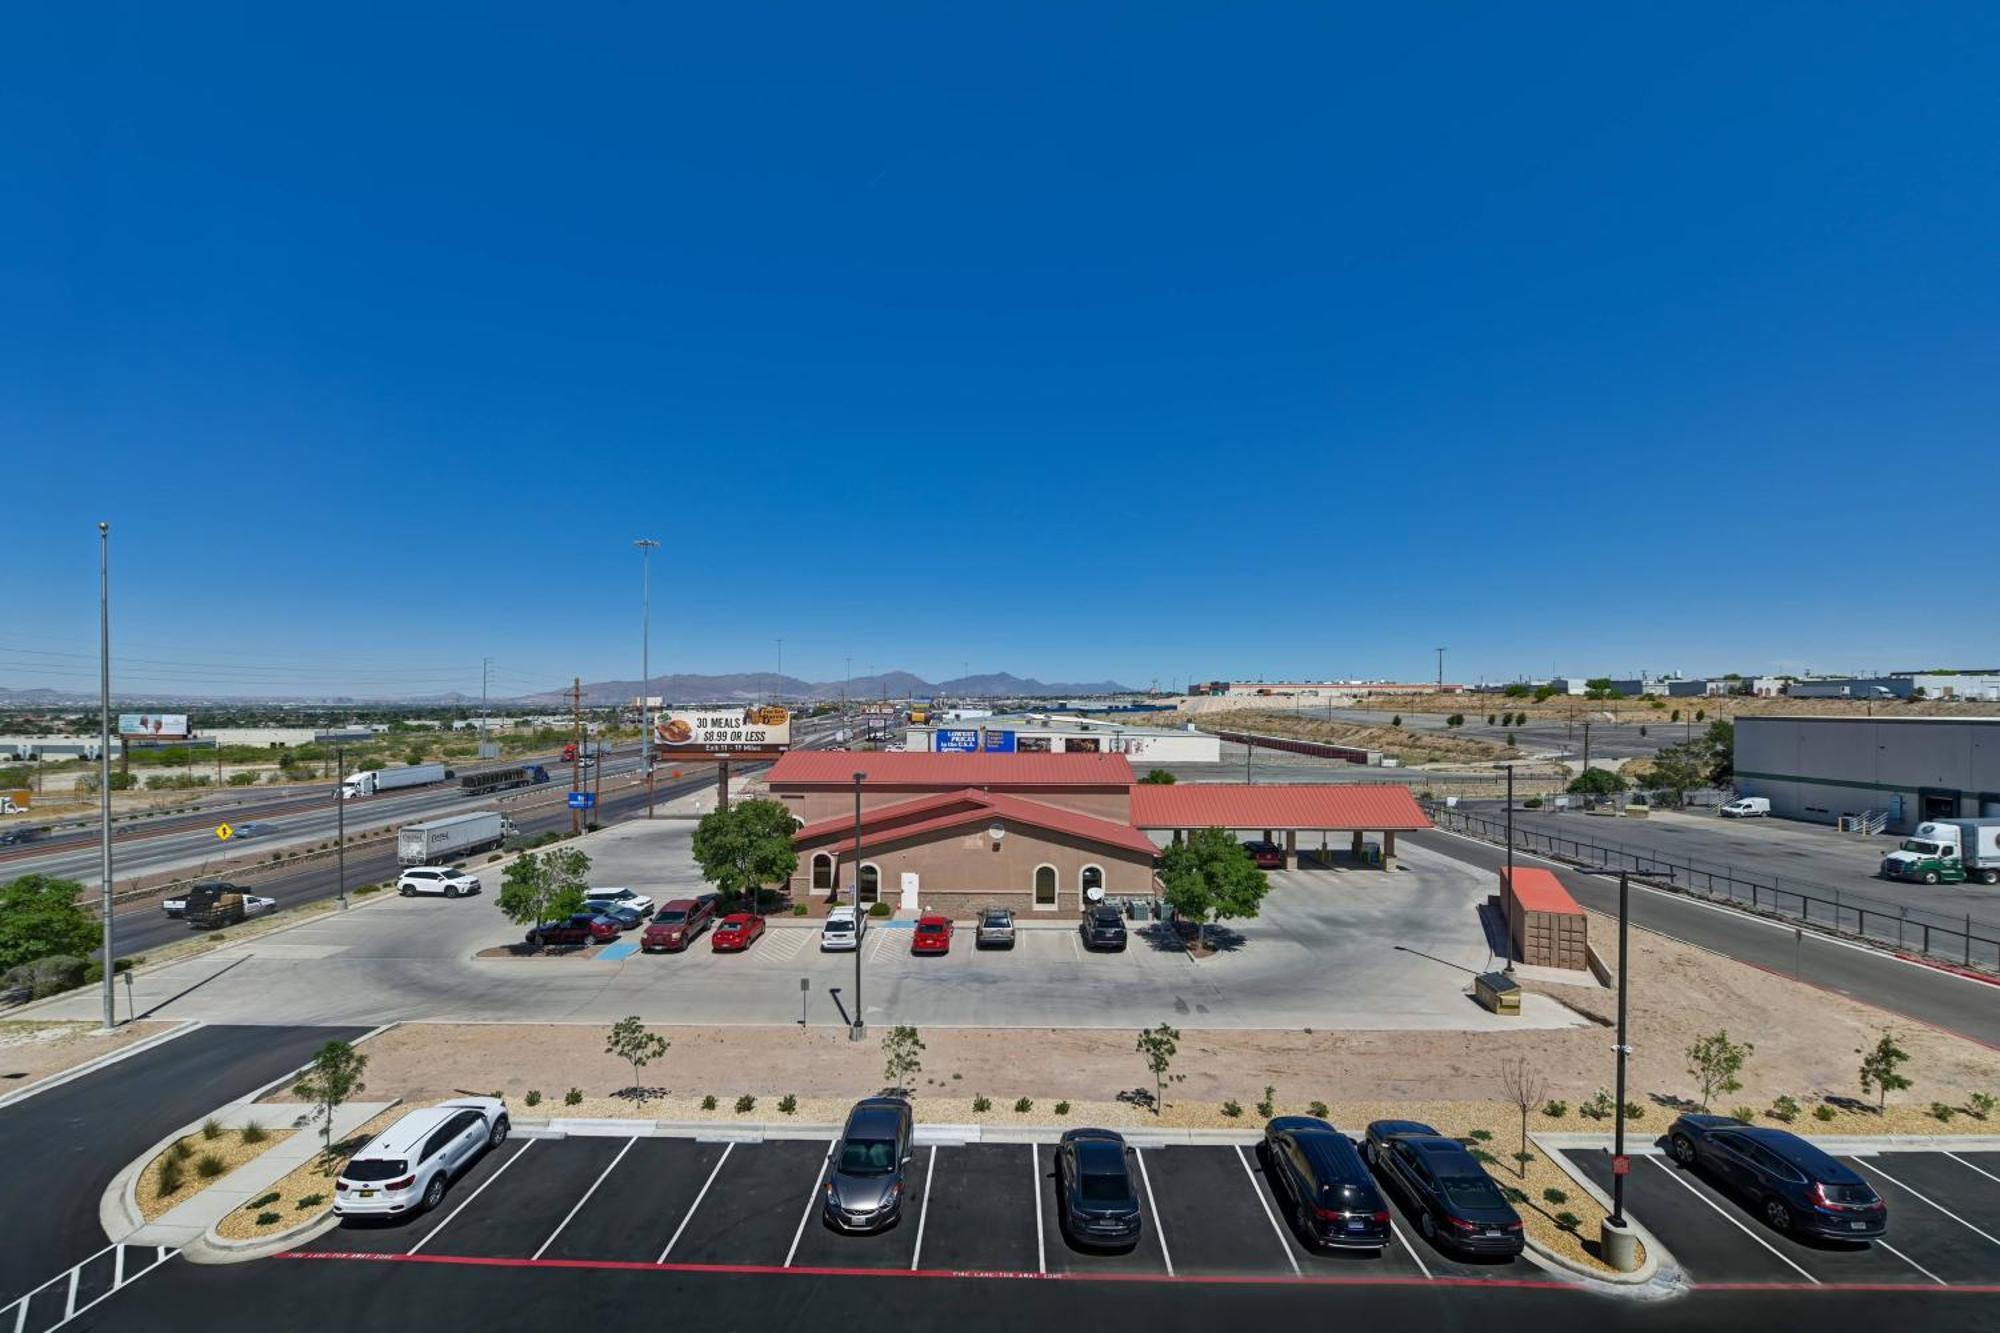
{"x": 1082, "y": 341}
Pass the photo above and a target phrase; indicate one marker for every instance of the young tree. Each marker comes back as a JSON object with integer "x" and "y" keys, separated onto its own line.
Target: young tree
{"x": 545, "y": 886}
{"x": 902, "y": 1056}
{"x": 1525, "y": 1088}
{"x": 1714, "y": 1062}
{"x": 40, "y": 917}
{"x": 333, "y": 1076}
{"x": 637, "y": 1047}
{"x": 1159, "y": 777}
{"x": 745, "y": 847}
{"x": 1396, "y": 721}
{"x": 1209, "y": 877}
{"x": 1516, "y": 691}
{"x": 1490, "y": 718}
{"x": 1878, "y": 1070}
{"x": 1596, "y": 782}
{"x": 1159, "y": 1046}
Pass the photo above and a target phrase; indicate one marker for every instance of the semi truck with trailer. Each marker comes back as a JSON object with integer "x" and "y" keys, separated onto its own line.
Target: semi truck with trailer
{"x": 370, "y": 781}
{"x": 447, "y": 839}
{"x": 503, "y": 779}
{"x": 1948, "y": 851}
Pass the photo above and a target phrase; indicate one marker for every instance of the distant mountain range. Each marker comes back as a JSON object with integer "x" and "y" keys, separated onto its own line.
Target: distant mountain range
{"x": 745, "y": 687}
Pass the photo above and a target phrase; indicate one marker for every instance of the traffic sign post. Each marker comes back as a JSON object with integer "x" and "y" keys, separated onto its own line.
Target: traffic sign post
{"x": 1621, "y": 1165}
{"x": 224, "y": 832}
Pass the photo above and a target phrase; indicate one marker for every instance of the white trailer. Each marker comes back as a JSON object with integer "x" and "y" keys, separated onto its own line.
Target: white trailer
{"x": 372, "y": 780}
{"x": 437, "y": 840}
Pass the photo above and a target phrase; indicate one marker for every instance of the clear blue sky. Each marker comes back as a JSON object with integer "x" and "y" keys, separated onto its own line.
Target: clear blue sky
{"x": 1085, "y": 341}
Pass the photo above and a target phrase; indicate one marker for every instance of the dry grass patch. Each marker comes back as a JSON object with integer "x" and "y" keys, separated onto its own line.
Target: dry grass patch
{"x": 34, "y": 1049}
{"x": 193, "y": 1162}
{"x": 305, "y": 1192}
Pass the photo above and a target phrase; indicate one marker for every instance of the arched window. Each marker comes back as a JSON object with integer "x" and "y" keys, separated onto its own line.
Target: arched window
{"x": 822, "y": 880}
{"x": 1090, "y": 877}
{"x": 871, "y": 882}
{"x": 1045, "y": 887}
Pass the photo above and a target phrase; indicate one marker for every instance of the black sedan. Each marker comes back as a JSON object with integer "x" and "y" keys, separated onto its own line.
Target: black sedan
{"x": 1100, "y": 1202}
{"x": 1320, "y": 1177}
{"x": 1456, "y": 1202}
{"x": 1102, "y": 928}
{"x": 1796, "y": 1186}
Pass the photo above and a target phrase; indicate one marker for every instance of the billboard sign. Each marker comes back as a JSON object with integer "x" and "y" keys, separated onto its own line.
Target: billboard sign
{"x": 999, "y": 742}
{"x": 153, "y": 726}
{"x": 956, "y": 741}
{"x": 725, "y": 730}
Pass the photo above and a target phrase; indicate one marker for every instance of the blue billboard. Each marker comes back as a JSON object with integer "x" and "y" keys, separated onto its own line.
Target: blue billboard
{"x": 1000, "y": 742}
{"x": 950, "y": 741}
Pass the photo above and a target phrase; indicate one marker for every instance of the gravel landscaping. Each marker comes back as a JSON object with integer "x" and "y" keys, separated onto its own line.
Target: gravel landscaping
{"x": 182, "y": 1166}
{"x": 306, "y": 1192}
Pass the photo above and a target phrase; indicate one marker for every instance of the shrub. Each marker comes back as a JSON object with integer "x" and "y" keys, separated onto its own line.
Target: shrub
{"x": 267, "y": 1219}
{"x": 1062, "y": 1108}
{"x": 1785, "y": 1108}
{"x": 1481, "y": 1136}
{"x": 1745, "y": 1113}
{"x": 210, "y": 1165}
{"x": 1568, "y": 1221}
{"x": 1942, "y": 1112}
{"x": 1532, "y": 803}
{"x": 1598, "y": 1107}
{"x": 1268, "y": 1107}
{"x": 788, "y": 1105}
{"x": 1523, "y": 1157}
{"x": 1981, "y": 1105}
{"x": 252, "y": 1132}
{"x": 798, "y": 909}
{"x": 1635, "y": 1110}
{"x": 573, "y": 1097}
{"x": 171, "y": 1177}
{"x": 745, "y": 1104}
{"x": 708, "y": 1102}
{"x": 956, "y": 1077}
{"x": 1023, "y": 1105}
{"x": 181, "y": 1151}
{"x": 211, "y": 1129}
{"x": 1514, "y": 1195}
{"x": 311, "y": 1201}
{"x": 1317, "y": 1109}
{"x": 1483, "y": 1157}
{"x": 261, "y": 1200}
{"x": 880, "y": 909}
{"x": 367, "y": 889}
{"x": 981, "y": 1102}
{"x": 1823, "y": 1112}
{"x": 1232, "y": 1108}
{"x": 1555, "y": 1196}
{"x": 1555, "y": 1110}
{"x": 534, "y": 1097}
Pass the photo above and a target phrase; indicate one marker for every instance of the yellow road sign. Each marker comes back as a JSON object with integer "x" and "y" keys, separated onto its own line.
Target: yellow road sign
{"x": 224, "y": 832}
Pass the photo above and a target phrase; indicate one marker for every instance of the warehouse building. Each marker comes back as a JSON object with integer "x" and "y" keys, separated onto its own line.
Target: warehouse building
{"x": 1906, "y": 769}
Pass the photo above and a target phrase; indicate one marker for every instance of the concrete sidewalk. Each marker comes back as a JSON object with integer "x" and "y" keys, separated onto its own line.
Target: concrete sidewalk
{"x": 187, "y": 1222}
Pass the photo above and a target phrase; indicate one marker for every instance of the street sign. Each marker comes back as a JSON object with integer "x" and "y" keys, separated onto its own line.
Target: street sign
{"x": 1621, "y": 1166}
{"x": 582, "y": 800}
{"x": 224, "y": 832}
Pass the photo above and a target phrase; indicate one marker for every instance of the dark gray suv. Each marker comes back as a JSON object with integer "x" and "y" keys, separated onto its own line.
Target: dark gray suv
{"x": 864, "y": 1191}
{"x": 1102, "y": 927}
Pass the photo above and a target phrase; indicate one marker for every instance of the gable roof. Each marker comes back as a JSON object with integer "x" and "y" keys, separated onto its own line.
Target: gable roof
{"x": 1371, "y": 807}
{"x": 1538, "y": 890}
{"x": 932, "y": 814}
{"x": 836, "y": 768}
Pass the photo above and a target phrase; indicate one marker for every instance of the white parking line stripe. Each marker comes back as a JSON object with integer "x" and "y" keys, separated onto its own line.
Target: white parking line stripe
{"x": 1397, "y": 1232}
{"x": 1075, "y": 950}
{"x": 810, "y": 1200}
{"x": 519, "y": 1153}
{"x": 1674, "y": 1175}
{"x": 726, "y": 1149}
{"x": 1933, "y": 1203}
{"x": 586, "y": 1195}
{"x": 1258, "y": 1190}
{"x": 1911, "y": 1262}
{"x": 1970, "y": 1167}
{"x": 1041, "y": 1245}
{"x": 1154, "y": 1209}
{"x": 930, "y": 1174}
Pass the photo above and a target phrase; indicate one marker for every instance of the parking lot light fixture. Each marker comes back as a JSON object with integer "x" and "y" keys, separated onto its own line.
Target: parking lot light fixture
{"x": 858, "y": 1028}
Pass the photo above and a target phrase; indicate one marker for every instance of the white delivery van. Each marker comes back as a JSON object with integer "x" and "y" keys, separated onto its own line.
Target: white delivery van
{"x": 1746, "y": 807}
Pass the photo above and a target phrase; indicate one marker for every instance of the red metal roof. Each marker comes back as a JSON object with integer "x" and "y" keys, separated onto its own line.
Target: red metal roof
{"x": 820, "y": 768}
{"x": 1539, "y": 890}
{"x": 1369, "y": 807}
{"x": 969, "y": 806}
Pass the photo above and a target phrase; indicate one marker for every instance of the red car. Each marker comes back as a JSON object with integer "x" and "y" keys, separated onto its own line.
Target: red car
{"x": 735, "y": 932}
{"x": 1267, "y": 855}
{"x": 583, "y": 928}
{"x": 933, "y": 935}
{"x": 675, "y": 925}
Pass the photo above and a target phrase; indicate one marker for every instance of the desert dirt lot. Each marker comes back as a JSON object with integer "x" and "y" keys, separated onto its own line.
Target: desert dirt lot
{"x": 32, "y": 1050}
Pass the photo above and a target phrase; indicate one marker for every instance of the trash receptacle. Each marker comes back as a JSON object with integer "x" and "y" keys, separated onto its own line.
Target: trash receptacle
{"x": 1498, "y": 992}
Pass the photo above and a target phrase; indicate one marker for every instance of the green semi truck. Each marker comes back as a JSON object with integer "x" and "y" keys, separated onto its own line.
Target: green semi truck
{"x": 1948, "y": 851}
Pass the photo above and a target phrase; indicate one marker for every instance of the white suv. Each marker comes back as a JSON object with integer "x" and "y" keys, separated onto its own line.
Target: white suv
{"x": 406, "y": 1167}
{"x": 632, "y": 898}
{"x": 838, "y": 933}
{"x": 436, "y": 879}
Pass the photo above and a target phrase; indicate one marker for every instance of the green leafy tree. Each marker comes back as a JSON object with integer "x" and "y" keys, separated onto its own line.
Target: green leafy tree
{"x": 414, "y": 755}
{"x": 544, "y": 886}
{"x": 902, "y": 1056}
{"x": 1209, "y": 877}
{"x": 1720, "y": 738}
{"x": 1516, "y": 691}
{"x": 1678, "y": 769}
{"x": 1158, "y": 1046}
{"x": 1714, "y": 1062}
{"x": 40, "y": 917}
{"x": 1596, "y": 782}
{"x": 333, "y": 1076}
{"x": 1159, "y": 777}
{"x": 1544, "y": 693}
{"x": 637, "y": 1047}
{"x": 1879, "y": 1065}
{"x": 745, "y": 847}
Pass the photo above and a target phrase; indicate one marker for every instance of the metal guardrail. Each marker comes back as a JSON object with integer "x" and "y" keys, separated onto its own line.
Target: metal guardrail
{"x": 1857, "y": 916}
{"x": 67, "y": 1295}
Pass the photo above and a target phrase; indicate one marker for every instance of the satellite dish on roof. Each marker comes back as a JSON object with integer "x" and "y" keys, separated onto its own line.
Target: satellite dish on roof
{"x": 996, "y": 831}
{"x": 1095, "y": 893}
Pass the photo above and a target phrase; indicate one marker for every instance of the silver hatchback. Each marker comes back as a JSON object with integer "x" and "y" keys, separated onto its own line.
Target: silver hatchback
{"x": 996, "y": 929}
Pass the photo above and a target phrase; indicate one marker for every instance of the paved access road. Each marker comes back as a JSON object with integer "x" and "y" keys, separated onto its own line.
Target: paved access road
{"x": 62, "y": 1147}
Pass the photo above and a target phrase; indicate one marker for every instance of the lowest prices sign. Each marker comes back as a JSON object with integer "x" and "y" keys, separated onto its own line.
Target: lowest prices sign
{"x": 721, "y": 730}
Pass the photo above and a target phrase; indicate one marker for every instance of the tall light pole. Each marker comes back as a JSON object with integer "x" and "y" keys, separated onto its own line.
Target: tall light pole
{"x": 340, "y": 822}
{"x": 1440, "y": 669}
{"x": 104, "y": 760}
{"x": 859, "y": 1028}
{"x": 646, "y": 547}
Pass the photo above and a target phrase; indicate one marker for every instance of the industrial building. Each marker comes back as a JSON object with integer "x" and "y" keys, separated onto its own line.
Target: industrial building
{"x": 1059, "y": 733}
{"x": 1906, "y": 769}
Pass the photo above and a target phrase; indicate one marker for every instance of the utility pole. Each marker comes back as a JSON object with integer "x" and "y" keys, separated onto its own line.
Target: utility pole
{"x": 858, "y": 1028}
{"x": 1618, "y": 1131}
{"x": 485, "y": 682}
{"x": 340, "y": 822}
{"x": 1440, "y": 669}
{"x": 646, "y": 547}
{"x": 1586, "y": 747}
{"x": 104, "y": 761}
{"x": 576, "y": 753}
